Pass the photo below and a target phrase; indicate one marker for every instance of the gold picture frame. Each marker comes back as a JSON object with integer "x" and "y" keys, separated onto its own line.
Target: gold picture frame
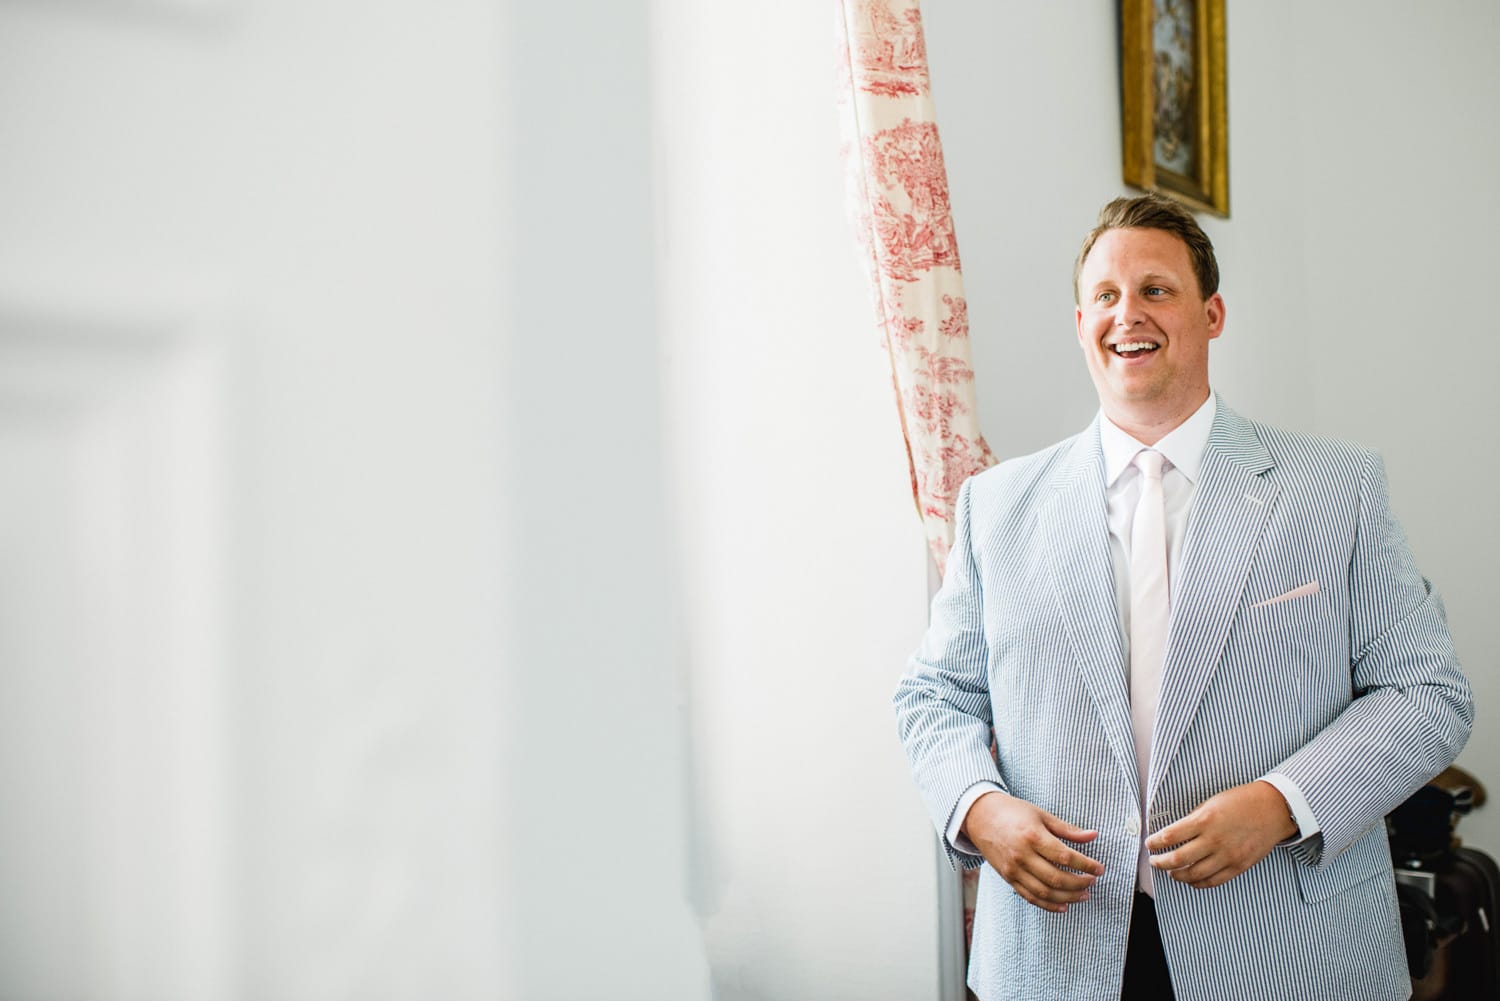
{"x": 1174, "y": 112}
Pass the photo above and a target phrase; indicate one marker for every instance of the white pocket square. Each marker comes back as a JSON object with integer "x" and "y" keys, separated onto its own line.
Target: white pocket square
{"x": 1296, "y": 592}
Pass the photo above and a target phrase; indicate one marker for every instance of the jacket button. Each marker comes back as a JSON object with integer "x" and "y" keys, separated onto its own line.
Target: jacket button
{"x": 1133, "y": 826}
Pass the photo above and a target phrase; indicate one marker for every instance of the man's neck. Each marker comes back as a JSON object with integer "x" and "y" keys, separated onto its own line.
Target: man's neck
{"x": 1150, "y": 426}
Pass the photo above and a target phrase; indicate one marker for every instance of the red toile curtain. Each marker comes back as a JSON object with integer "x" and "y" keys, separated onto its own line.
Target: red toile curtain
{"x": 898, "y": 204}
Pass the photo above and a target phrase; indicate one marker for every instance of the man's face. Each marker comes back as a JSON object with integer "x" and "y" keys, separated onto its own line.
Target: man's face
{"x": 1144, "y": 326}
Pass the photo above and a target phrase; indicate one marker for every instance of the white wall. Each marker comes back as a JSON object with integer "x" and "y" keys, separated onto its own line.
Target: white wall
{"x": 803, "y": 564}
{"x": 1362, "y": 322}
{"x": 387, "y": 703}
{"x": 312, "y": 190}
{"x": 1401, "y": 249}
{"x": 599, "y": 878}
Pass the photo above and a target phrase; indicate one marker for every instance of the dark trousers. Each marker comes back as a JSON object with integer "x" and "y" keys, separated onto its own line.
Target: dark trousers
{"x": 1146, "y": 976}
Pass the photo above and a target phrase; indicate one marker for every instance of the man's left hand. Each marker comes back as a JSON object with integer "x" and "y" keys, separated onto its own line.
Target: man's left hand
{"x": 1226, "y": 835}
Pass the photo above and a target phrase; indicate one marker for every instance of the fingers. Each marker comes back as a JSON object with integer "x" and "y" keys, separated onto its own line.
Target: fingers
{"x": 1183, "y": 831}
{"x": 1060, "y": 854}
{"x": 1209, "y": 871}
{"x": 1053, "y": 859}
{"x": 1067, "y": 831}
{"x": 1035, "y": 889}
{"x": 1046, "y": 844}
{"x": 1040, "y": 882}
{"x": 1194, "y": 861}
{"x": 1205, "y": 872}
{"x": 1058, "y": 881}
{"x": 1182, "y": 855}
{"x": 1217, "y": 879}
{"x": 1043, "y": 882}
{"x": 1061, "y": 857}
{"x": 1222, "y": 838}
{"x": 1022, "y": 843}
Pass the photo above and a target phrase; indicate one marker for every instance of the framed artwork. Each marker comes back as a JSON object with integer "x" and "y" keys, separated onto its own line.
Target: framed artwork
{"x": 1175, "y": 124}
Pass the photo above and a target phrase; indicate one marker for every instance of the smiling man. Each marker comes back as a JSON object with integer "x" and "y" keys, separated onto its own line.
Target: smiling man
{"x": 1207, "y": 666}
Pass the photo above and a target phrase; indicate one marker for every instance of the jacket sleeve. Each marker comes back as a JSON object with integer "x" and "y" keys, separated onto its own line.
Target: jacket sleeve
{"x": 1411, "y": 708}
{"x": 943, "y": 701}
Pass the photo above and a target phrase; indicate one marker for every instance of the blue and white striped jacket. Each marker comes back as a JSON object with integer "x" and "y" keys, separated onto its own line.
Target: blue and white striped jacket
{"x": 1354, "y": 692}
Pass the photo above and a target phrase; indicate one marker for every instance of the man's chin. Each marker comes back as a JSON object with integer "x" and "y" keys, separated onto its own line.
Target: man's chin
{"x": 1134, "y": 392}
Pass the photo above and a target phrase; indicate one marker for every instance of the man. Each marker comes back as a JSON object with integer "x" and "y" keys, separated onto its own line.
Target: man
{"x": 1208, "y": 665}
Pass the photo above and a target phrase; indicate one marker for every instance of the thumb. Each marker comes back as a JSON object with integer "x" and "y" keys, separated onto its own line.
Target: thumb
{"x": 1065, "y": 830}
{"x": 1174, "y": 834}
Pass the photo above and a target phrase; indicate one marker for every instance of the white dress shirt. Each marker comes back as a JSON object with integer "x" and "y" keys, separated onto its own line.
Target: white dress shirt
{"x": 1183, "y": 448}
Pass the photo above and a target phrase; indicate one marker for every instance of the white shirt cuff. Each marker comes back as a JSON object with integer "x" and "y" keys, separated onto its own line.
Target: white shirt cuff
{"x": 954, "y": 833}
{"x": 1302, "y": 815}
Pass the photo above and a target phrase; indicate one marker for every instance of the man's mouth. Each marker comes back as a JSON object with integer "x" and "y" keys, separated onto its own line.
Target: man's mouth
{"x": 1133, "y": 349}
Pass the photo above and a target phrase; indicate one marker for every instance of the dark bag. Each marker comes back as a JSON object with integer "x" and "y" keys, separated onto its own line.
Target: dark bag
{"x": 1447, "y": 894}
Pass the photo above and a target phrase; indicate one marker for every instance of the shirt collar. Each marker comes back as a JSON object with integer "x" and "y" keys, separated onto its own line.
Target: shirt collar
{"x": 1183, "y": 446}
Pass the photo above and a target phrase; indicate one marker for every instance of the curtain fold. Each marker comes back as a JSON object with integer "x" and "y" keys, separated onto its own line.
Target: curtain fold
{"x": 897, "y": 195}
{"x": 897, "y": 191}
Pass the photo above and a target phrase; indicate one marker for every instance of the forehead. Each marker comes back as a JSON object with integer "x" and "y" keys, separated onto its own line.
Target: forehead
{"x": 1122, "y": 254}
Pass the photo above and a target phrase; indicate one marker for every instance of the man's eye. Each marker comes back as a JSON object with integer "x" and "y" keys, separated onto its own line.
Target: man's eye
{"x": 1156, "y": 290}
{"x": 1104, "y": 297}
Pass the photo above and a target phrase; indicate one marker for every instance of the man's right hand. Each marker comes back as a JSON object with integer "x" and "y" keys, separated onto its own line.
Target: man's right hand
{"x": 1024, "y": 844}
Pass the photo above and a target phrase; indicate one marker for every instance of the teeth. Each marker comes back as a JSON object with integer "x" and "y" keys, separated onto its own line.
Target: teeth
{"x": 1127, "y": 349}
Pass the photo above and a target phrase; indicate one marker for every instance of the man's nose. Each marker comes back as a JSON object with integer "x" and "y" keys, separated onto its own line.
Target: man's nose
{"x": 1129, "y": 310}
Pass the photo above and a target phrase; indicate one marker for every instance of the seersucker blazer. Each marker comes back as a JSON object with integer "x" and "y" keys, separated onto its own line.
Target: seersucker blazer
{"x": 1351, "y": 688}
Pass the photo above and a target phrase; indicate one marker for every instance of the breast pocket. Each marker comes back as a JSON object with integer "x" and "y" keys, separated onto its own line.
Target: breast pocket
{"x": 1277, "y": 666}
{"x": 1289, "y": 623}
{"x": 1278, "y": 643}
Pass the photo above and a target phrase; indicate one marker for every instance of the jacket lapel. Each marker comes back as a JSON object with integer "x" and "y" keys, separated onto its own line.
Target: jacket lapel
{"x": 1076, "y": 535}
{"x": 1229, "y": 512}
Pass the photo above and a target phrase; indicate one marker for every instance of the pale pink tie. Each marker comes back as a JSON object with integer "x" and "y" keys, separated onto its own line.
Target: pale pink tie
{"x": 1150, "y": 614}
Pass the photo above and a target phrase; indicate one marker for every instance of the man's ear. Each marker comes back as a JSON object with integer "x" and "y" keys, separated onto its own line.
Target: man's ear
{"x": 1078, "y": 322}
{"x": 1214, "y": 309}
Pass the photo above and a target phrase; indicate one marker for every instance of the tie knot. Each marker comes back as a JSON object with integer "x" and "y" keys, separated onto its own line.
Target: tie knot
{"x": 1149, "y": 462}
